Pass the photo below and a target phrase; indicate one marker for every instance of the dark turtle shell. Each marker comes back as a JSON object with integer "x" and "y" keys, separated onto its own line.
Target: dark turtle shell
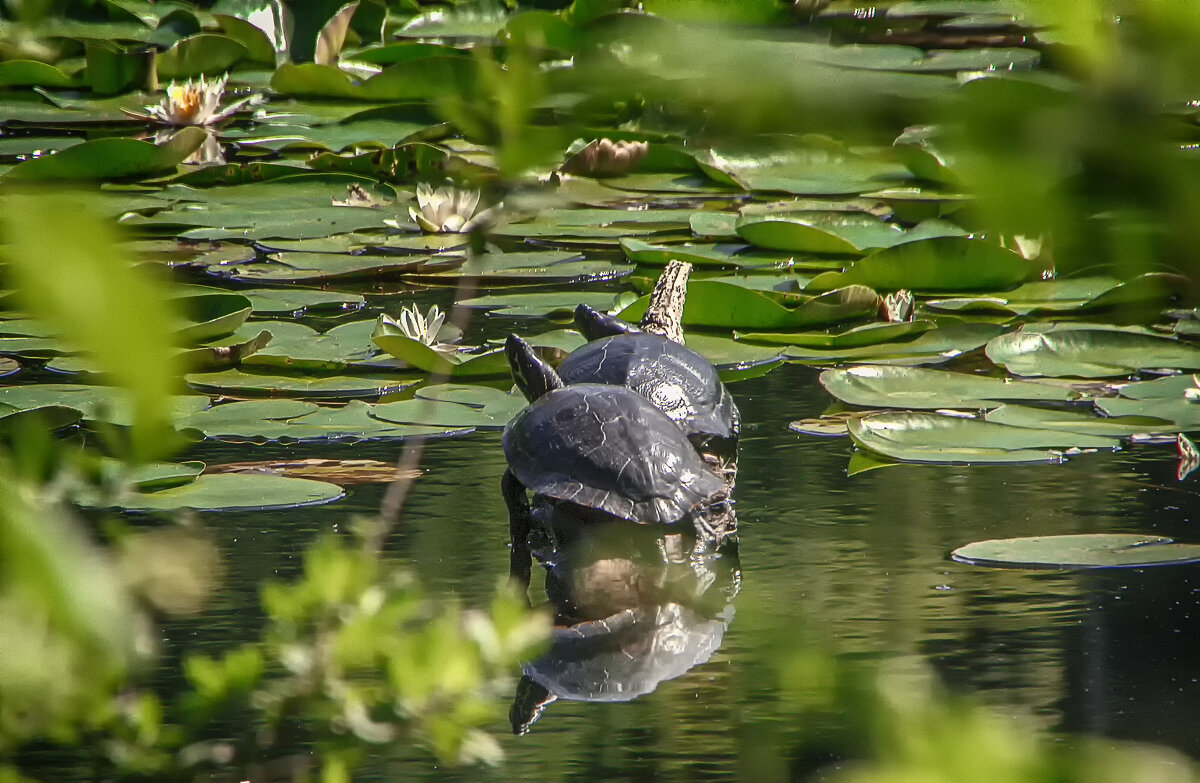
{"x": 677, "y": 380}
{"x": 608, "y": 448}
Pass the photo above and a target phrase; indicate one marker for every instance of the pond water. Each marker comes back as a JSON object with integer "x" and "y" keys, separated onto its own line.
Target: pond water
{"x": 908, "y": 193}
{"x": 858, "y": 564}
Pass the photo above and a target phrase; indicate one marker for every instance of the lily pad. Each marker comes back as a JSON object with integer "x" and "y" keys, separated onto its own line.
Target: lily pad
{"x": 881, "y": 386}
{"x": 931, "y": 265}
{"x": 717, "y": 303}
{"x": 110, "y": 158}
{"x": 459, "y": 364}
{"x": 1088, "y": 351}
{"x": 933, "y": 346}
{"x": 855, "y": 337}
{"x": 541, "y": 304}
{"x": 297, "y": 302}
{"x": 913, "y": 436}
{"x": 229, "y": 492}
{"x": 1097, "y": 550}
{"x": 1083, "y": 421}
{"x": 445, "y": 405}
{"x": 296, "y": 347}
{"x": 791, "y": 165}
{"x": 847, "y": 233}
{"x": 247, "y": 382}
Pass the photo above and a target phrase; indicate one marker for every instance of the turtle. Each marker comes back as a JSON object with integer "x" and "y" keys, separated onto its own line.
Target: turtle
{"x": 679, "y": 381}
{"x": 602, "y": 448}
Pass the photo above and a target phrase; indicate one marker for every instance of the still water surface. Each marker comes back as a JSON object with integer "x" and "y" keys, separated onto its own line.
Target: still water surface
{"x": 857, "y": 565}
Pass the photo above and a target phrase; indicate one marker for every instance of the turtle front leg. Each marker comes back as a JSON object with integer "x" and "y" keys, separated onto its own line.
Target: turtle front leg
{"x": 519, "y": 522}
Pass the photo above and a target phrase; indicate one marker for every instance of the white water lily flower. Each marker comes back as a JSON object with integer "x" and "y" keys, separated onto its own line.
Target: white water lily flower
{"x": 424, "y": 328}
{"x": 195, "y": 102}
{"x": 448, "y": 210}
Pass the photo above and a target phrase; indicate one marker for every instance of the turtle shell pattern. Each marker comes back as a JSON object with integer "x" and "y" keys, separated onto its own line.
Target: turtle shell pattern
{"x": 608, "y": 448}
{"x": 677, "y": 380}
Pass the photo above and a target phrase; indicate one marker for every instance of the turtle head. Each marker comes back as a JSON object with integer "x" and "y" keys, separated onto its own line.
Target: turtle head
{"x": 594, "y": 324}
{"x": 531, "y": 374}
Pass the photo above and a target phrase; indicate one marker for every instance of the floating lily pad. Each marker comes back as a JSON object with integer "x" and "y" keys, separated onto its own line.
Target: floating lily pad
{"x": 850, "y": 233}
{"x": 534, "y": 267}
{"x": 15, "y": 421}
{"x": 867, "y": 334}
{"x": 791, "y": 165}
{"x": 246, "y": 382}
{"x": 1083, "y": 421}
{"x": 932, "y": 346}
{"x": 295, "y": 302}
{"x": 717, "y": 303}
{"x": 913, "y": 436}
{"x": 8, "y": 366}
{"x": 477, "y": 407}
{"x": 456, "y": 363}
{"x": 228, "y": 492}
{"x": 1087, "y": 351}
{"x": 110, "y": 158}
{"x": 541, "y": 304}
{"x": 326, "y": 267}
{"x": 714, "y": 225}
{"x": 96, "y": 403}
{"x": 1097, "y": 550}
{"x": 297, "y": 347}
{"x": 295, "y": 207}
{"x": 212, "y": 313}
{"x": 930, "y": 265}
{"x": 1181, "y": 413}
{"x": 199, "y": 54}
{"x": 881, "y": 386}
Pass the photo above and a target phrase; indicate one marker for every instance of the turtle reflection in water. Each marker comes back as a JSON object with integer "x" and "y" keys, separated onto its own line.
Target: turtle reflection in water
{"x": 635, "y": 606}
{"x": 607, "y": 452}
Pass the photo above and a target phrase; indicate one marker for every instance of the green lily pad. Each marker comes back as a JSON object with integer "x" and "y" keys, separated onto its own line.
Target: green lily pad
{"x": 1087, "y": 351}
{"x": 847, "y": 233}
{"x": 14, "y": 421}
{"x": 913, "y": 436}
{"x": 714, "y": 225}
{"x": 732, "y": 357}
{"x": 541, "y": 304}
{"x": 248, "y": 382}
{"x": 1067, "y": 295}
{"x": 324, "y": 267}
{"x": 718, "y": 303}
{"x": 295, "y": 347}
{"x": 31, "y": 73}
{"x": 110, "y": 158}
{"x": 297, "y": 302}
{"x": 449, "y": 405}
{"x": 855, "y": 337}
{"x": 881, "y": 386}
{"x": 532, "y": 267}
{"x": 199, "y": 54}
{"x": 696, "y": 255}
{"x": 791, "y": 165}
{"x": 933, "y": 346}
{"x": 427, "y": 78}
{"x": 1182, "y": 414}
{"x": 96, "y": 403}
{"x": 212, "y": 313}
{"x": 938, "y": 264}
{"x": 1097, "y": 550}
{"x": 1083, "y": 421}
{"x": 458, "y": 364}
{"x": 295, "y": 207}
{"x": 229, "y": 492}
